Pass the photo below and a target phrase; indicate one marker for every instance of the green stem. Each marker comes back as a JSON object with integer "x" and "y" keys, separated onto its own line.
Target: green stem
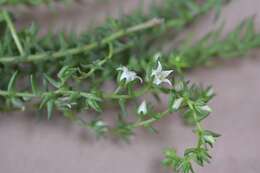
{"x": 84, "y": 94}
{"x": 31, "y": 95}
{"x": 13, "y": 32}
{"x": 198, "y": 125}
{"x": 151, "y": 120}
{"x": 99, "y": 64}
{"x": 87, "y": 48}
{"x": 118, "y": 96}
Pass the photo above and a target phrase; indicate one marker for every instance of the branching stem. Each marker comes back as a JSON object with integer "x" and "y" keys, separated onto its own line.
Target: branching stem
{"x": 87, "y": 48}
{"x": 84, "y": 94}
{"x": 198, "y": 125}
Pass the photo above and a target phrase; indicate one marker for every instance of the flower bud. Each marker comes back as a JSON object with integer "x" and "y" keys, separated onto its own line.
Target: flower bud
{"x": 177, "y": 103}
{"x": 206, "y": 108}
{"x": 142, "y": 109}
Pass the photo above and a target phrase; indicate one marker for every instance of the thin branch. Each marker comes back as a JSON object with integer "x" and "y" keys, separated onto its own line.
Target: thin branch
{"x": 87, "y": 48}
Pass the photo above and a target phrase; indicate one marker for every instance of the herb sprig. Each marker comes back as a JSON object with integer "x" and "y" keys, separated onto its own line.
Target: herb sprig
{"x": 66, "y": 73}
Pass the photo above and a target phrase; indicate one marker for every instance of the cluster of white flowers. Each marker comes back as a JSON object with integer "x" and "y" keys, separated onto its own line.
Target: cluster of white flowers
{"x": 158, "y": 77}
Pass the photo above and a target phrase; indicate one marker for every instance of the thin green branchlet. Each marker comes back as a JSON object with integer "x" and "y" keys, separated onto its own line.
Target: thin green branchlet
{"x": 65, "y": 73}
{"x": 197, "y": 109}
{"x": 86, "y": 48}
{"x": 192, "y": 11}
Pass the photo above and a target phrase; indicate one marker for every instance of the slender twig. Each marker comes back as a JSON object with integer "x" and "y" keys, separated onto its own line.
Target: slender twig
{"x": 87, "y": 48}
{"x": 99, "y": 64}
{"x": 31, "y": 95}
{"x": 198, "y": 125}
{"x": 84, "y": 94}
{"x": 151, "y": 120}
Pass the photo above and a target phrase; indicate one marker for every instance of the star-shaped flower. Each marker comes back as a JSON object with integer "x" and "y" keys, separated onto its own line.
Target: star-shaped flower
{"x": 142, "y": 109}
{"x": 160, "y": 75}
{"x": 128, "y": 75}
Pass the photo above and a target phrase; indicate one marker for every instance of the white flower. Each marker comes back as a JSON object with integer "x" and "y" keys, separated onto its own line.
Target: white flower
{"x": 177, "y": 103}
{"x": 128, "y": 75}
{"x": 160, "y": 76}
{"x": 142, "y": 109}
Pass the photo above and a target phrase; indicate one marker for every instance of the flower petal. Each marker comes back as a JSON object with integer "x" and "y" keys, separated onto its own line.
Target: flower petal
{"x": 159, "y": 67}
{"x": 157, "y": 56}
{"x": 166, "y": 73}
{"x": 167, "y": 81}
{"x": 157, "y": 81}
{"x": 123, "y": 68}
{"x": 138, "y": 77}
{"x": 154, "y": 72}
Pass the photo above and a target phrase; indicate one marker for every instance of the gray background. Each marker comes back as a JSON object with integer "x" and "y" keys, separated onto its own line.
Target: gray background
{"x": 30, "y": 145}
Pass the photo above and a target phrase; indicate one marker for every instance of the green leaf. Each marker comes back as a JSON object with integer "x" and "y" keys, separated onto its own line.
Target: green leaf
{"x": 63, "y": 71}
{"x": 45, "y": 99}
{"x": 218, "y": 8}
{"x": 50, "y": 105}
{"x": 99, "y": 127}
{"x": 200, "y": 156}
{"x": 152, "y": 129}
{"x": 177, "y": 104}
{"x": 204, "y": 109}
{"x": 18, "y": 103}
{"x": 12, "y": 82}
{"x": 209, "y": 139}
{"x": 33, "y": 84}
{"x": 93, "y": 104}
{"x": 214, "y": 134}
{"x": 123, "y": 129}
{"x": 52, "y": 81}
{"x": 66, "y": 72}
{"x": 122, "y": 103}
